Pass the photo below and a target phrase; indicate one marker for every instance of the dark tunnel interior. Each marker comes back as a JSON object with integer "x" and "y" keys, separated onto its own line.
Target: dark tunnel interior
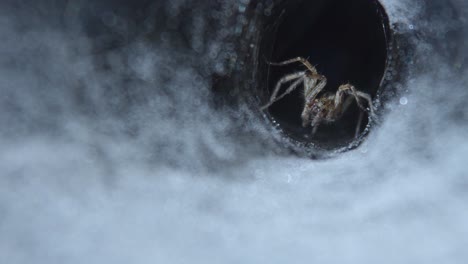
{"x": 346, "y": 41}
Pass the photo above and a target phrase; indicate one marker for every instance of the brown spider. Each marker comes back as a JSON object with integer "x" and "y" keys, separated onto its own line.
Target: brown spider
{"x": 329, "y": 107}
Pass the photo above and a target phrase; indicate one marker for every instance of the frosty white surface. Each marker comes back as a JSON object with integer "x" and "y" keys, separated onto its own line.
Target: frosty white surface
{"x": 114, "y": 183}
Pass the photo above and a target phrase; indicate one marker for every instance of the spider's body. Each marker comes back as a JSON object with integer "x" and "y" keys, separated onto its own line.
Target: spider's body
{"x": 323, "y": 108}
{"x": 328, "y": 107}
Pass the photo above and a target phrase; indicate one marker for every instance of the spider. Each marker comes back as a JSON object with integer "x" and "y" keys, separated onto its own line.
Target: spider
{"x": 327, "y": 108}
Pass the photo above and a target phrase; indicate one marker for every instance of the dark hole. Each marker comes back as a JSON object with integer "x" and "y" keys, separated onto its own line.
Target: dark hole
{"x": 346, "y": 41}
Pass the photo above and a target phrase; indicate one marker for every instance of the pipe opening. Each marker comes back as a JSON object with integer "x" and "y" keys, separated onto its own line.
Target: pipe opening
{"x": 346, "y": 41}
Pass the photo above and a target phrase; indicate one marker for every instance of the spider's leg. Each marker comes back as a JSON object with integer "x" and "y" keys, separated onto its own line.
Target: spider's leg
{"x": 343, "y": 106}
{"x": 368, "y": 98}
{"x": 305, "y": 116}
{"x": 313, "y": 86}
{"x": 315, "y": 123}
{"x": 290, "y": 89}
{"x": 371, "y": 107}
{"x": 283, "y": 80}
{"x": 297, "y": 59}
{"x": 347, "y": 89}
{"x": 358, "y": 125}
{"x": 311, "y": 89}
{"x": 314, "y": 129}
{"x": 351, "y": 90}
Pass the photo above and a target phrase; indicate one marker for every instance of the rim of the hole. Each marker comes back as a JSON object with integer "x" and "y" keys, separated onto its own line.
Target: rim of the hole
{"x": 381, "y": 26}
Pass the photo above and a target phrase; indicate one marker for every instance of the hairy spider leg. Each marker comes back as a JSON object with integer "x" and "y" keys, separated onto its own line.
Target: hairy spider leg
{"x": 371, "y": 107}
{"x": 358, "y": 125}
{"x": 313, "y": 85}
{"x": 343, "y": 107}
{"x": 368, "y": 98}
{"x": 298, "y": 59}
{"x": 347, "y": 89}
{"x": 313, "y": 82}
{"x": 316, "y": 122}
{"x": 299, "y": 76}
{"x": 351, "y": 90}
{"x": 311, "y": 89}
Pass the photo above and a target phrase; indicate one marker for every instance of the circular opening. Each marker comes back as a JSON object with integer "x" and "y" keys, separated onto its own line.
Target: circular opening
{"x": 347, "y": 43}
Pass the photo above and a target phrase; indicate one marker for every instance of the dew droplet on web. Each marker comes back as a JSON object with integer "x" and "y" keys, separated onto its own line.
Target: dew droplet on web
{"x": 242, "y": 8}
{"x": 403, "y": 101}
